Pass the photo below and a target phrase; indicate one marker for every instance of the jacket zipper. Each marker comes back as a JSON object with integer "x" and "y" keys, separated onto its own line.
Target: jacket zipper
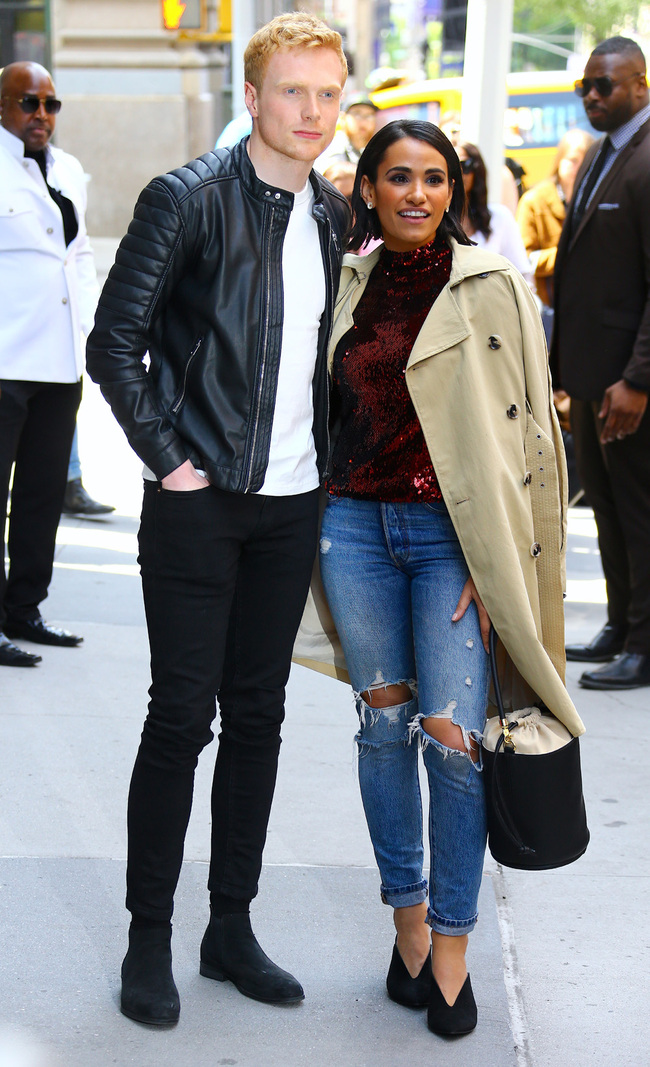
{"x": 258, "y": 396}
{"x": 177, "y": 403}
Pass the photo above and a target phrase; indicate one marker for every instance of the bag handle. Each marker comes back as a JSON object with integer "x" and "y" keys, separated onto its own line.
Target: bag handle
{"x": 506, "y": 738}
{"x": 505, "y": 742}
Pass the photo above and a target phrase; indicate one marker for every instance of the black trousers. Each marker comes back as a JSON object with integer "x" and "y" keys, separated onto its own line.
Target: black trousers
{"x": 37, "y": 421}
{"x": 225, "y": 578}
{"x": 616, "y": 480}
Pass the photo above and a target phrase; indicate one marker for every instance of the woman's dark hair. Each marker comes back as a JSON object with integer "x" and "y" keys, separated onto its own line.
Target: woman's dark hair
{"x": 365, "y": 223}
{"x": 477, "y": 205}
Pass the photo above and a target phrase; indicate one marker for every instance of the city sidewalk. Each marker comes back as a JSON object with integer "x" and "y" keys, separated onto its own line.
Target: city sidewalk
{"x": 558, "y": 964}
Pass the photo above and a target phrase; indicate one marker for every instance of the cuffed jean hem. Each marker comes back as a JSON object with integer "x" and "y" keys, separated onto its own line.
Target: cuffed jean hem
{"x": 451, "y": 927}
{"x": 406, "y": 896}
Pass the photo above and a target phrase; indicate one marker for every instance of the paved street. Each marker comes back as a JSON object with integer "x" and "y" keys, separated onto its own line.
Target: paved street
{"x": 559, "y": 960}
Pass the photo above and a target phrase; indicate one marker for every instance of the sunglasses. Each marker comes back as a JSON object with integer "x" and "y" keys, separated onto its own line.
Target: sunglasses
{"x": 31, "y": 104}
{"x": 604, "y": 85}
{"x": 467, "y": 165}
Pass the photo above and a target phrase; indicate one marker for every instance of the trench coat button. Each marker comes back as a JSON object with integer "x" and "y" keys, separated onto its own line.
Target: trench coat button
{"x": 494, "y": 341}
{"x": 528, "y": 478}
{"x": 513, "y": 412}
{"x": 50, "y": 229}
{"x": 535, "y": 549}
{"x": 65, "y": 300}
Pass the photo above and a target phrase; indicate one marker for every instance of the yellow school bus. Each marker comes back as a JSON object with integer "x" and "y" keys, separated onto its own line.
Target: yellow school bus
{"x": 542, "y": 106}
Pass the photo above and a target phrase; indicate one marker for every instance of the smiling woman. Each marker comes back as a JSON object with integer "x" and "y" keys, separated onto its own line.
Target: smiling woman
{"x": 440, "y": 386}
{"x": 411, "y": 194}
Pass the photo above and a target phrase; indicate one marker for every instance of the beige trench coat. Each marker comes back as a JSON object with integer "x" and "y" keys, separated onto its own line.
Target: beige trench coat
{"x": 478, "y": 378}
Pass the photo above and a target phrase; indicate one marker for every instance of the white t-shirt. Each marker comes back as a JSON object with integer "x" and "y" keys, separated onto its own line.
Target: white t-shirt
{"x": 292, "y": 467}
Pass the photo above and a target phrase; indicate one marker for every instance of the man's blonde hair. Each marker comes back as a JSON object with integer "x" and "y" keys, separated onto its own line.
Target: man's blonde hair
{"x": 294, "y": 29}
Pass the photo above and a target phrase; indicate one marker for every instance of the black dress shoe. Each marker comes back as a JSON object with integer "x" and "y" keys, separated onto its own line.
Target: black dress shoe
{"x": 229, "y": 950}
{"x": 402, "y": 988}
{"x": 40, "y": 633}
{"x": 149, "y": 993}
{"x": 630, "y": 670}
{"x": 11, "y": 656}
{"x": 605, "y": 645}
{"x": 452, "y": 1020}
{"x": 77, "y": 501}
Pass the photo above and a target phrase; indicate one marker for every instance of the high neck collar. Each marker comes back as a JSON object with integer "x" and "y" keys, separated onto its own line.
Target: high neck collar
{"x": 421, "y": 259}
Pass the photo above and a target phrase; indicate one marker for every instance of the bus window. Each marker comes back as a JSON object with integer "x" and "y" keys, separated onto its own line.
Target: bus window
{"x": 542, "y": 119}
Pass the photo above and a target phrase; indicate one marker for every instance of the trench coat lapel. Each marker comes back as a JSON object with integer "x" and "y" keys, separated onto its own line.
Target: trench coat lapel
{"x": 444, "y": 327}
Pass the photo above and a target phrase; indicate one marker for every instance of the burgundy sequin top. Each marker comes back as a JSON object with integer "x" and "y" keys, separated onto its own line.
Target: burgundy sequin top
{"x": 380, "y": 452}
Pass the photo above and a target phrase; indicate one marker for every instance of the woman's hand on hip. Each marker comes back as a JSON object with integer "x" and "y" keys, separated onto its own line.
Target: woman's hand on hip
{"x": 468, "y": 595}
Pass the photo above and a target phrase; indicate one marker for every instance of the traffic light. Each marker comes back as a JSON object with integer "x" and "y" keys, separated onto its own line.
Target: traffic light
{"x": 198, "y": 20}
{"x": 184, "y": 14}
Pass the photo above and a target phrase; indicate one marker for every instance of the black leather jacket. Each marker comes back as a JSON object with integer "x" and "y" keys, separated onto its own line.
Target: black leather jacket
{"x": 197, "y": 283}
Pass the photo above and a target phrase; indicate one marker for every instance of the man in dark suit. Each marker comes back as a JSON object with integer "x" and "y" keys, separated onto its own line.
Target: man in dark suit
{"x": 601, "y": 351}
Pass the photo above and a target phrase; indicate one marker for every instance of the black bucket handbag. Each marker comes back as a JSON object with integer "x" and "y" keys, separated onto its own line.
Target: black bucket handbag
{"x": 535, "y": 806}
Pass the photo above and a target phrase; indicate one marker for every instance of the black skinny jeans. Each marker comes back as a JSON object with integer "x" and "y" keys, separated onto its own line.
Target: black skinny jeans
{"x": 225, "y": 578}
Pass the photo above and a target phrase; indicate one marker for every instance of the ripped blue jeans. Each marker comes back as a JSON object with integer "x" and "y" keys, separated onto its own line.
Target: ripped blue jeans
{"x": 393, "y": 574}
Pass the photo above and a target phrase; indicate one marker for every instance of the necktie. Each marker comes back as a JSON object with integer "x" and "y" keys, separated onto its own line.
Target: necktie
{"x": 589, "y": 185}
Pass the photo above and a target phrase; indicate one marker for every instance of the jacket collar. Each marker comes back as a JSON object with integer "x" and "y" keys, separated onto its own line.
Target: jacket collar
{"x": 16, "y": 147}
{"x": 262, "y": 190}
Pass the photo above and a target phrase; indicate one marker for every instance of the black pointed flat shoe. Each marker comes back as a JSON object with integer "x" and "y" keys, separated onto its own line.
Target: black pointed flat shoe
{"x": 402, "y": 988}
{"x": 452, "y": 1020}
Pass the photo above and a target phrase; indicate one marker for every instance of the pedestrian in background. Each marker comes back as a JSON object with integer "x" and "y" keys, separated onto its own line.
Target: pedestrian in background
{"x": 227, "y": 278}
{"x": 356, "y": 127}
{"x": 601, "y": 351}
{"x": 77, "y": 501}
{"x": 440, "y": 390}
{"x": 490, "y": 226}
{"x": 49, "y": 291}
{"x": 541, "y": 216}
{"x": 510, "y": 189}
{"x": 341, "y": 174}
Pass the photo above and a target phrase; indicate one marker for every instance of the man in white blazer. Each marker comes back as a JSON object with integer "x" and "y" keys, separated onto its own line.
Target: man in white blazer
{"x": 49, "y": 291}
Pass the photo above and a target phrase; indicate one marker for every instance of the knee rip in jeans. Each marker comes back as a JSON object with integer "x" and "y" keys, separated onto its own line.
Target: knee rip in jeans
{"x": 449, "y": 736}
{"x": 384, "y": 710}
{"x": 383, "y": 694}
